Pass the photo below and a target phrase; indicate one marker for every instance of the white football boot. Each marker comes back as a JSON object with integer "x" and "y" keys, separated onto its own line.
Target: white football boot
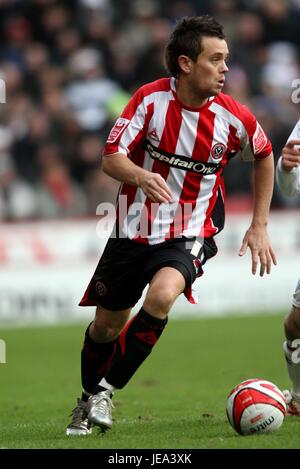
{"x": 79, "y": 424}
{"x": 99, "y": 410}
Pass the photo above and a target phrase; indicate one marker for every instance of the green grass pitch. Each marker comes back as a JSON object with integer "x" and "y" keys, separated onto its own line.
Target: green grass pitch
{"x": 176, "y": 400}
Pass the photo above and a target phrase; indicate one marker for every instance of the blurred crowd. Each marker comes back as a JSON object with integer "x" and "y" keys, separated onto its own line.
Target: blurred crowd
{"x": 70, "y": 67}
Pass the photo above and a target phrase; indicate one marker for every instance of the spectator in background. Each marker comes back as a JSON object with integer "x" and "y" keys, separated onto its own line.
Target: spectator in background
{"x": 247, "y": 48}
{"x": 89, "y": 90}
{"x": 280, "y": 21}
{"x": 160, "y": 31}
{"x": 17, "y": 31}
{"x": 36, "y": 59}
{"x": 57, "y": 194}
{"x": 279, "y": 70}
{"x": 17, "y": 198}
{"x": 38, "y": 129}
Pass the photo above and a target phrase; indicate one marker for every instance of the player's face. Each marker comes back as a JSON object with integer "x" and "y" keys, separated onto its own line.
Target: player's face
{"x": 207, "y": 73}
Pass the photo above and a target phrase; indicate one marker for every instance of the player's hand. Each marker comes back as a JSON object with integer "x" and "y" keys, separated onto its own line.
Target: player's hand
{"x": 291, "y": 155}
{"x": 257, "y": 239}
{"x": 155, "y": 187}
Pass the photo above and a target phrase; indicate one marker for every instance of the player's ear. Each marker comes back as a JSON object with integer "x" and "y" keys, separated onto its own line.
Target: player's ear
{"x": 185, "y": 63}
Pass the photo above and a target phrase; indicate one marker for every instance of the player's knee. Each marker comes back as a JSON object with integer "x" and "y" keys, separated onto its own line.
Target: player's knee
{"x": 292, "y": 323}
{"x": 288, "y": 326}
{"x": 159, "y": 301}
{"x": 106, "y": 331}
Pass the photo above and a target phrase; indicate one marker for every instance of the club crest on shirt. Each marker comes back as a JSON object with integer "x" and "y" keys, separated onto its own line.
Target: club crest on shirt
{"x": 218, "y": 150}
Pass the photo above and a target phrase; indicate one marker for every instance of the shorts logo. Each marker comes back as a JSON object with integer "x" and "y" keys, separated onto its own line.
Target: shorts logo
{"x": 259, "y": 140}
{"x": 218, "y": 150}
{"x": 118, "y": 129}
{"x": 100, "y": 288}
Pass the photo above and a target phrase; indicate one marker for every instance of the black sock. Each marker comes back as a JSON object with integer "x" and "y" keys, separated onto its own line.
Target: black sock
{"x": 95, "y": 360}
{"x": 134, "y": 345}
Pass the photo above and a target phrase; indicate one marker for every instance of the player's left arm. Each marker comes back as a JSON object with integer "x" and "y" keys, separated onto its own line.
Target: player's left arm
{"x": 257, "y": 237}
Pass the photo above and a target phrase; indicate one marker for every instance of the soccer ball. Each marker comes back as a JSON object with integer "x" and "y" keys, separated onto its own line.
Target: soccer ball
{"x": 255, "y": 406}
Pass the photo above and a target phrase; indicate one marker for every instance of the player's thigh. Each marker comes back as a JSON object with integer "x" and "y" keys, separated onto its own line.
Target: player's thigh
{"x": 167, "y": 279}
{"x": 185, "y": 255}
{"x": 296, "y": 296}
{"x": 175, "y": 256}
{"x": 169, "y": 271}
{"x": 166, "y": 285}
{"x": 119, "y": 279}
{"x": 293, "y": 319}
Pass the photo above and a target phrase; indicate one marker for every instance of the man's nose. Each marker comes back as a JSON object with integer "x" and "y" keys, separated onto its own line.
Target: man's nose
{"x": 224, "y": 67}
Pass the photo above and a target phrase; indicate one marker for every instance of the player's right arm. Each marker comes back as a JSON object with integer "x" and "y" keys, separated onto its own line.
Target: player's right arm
{"x": 123, "y": 143}
{"x": 119, "y": 167}
{"x": 288, "y": 168}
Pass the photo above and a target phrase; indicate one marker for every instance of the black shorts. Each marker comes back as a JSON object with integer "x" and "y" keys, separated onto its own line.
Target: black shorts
{"x": 126, "y": 267}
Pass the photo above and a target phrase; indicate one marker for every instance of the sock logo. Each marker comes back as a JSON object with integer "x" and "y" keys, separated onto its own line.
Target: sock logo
{"x": 147, "y": 337}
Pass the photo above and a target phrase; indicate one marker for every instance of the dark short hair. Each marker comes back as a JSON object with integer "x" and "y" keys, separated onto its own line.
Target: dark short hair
{"x": 186, "y": 39}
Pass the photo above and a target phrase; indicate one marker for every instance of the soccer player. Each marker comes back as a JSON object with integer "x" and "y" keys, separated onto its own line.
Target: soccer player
{"x": 288, "y": 179}
{"x": 168, "y": 148}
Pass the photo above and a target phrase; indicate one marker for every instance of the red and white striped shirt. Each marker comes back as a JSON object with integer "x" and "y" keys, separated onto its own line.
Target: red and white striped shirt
{"x": 189, "y": 147}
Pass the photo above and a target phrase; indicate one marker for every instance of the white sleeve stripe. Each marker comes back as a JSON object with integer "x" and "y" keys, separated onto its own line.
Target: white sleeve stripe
{"x": 138, "y": 120}
{"x": 233, "y": 120}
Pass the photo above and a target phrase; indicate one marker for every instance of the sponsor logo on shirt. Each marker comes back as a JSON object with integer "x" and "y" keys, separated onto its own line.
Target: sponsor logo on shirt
{"x": 118, "y": 128}
{"x": 179, "y": 161}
